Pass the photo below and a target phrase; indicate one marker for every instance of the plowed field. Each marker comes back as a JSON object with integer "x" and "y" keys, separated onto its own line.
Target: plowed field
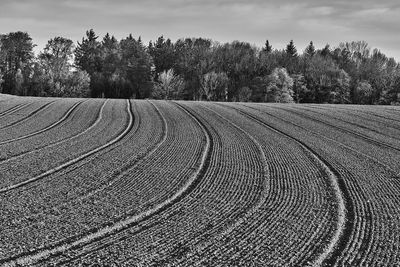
{"x": 170, "y": 183}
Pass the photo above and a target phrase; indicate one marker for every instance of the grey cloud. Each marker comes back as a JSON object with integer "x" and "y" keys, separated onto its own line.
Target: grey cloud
{"x": 323, "y": 21}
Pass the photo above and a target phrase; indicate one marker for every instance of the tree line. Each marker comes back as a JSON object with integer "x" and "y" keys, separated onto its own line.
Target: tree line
{"x": 197, "y": 69}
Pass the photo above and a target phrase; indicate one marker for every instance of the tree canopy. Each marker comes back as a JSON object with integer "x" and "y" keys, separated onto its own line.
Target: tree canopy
{"x": 197, "y": 69}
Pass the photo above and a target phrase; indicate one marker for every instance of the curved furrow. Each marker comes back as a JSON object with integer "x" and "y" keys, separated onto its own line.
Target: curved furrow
{"x": 246, "y": 187}
{"x": 217, "y": 180}
{"x": 138, "y": 161}
{"x": 253, "y": 219}
{"x": 186, "y": 189}
{"x": 373, "y": 195}
{"x": 393, "y": 109}
{"x": 13, "y": 109}
{"x": 32, "y": 257}
{"x": 389, "y": 157}
{"x": 98, "y": 119}
{"x": 345, "y": 205}
{"x": 66, "y": 115}
{"x": 308, "y": 129}
{"x": 37, "y": 206}
{"x": 364, "y": 111}
{"x": 55, "y": 143}
{"x": 391, "y": 130}
{"x": 359, "y": 135}
{"x": 119, "y": 173}
{"x": 75, "y": 160}
{"x": 254, "y": 207}
{"x": 28, "y": 116}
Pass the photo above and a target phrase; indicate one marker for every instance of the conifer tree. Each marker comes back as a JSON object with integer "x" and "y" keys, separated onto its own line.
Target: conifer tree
{"x": 87, "y": 53}
{"x": 291, "y": 49}
{"x": 310, "y": 50}
{"x": 267, "y": 48}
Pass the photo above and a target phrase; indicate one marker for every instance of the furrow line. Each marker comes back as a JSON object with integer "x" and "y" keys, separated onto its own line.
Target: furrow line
{"x": 98, "y": 234}
{"x": 107, "y": 240}
{"x": 125, "y": 170}
{"x": 73, "y": 161}
{"x": 386, "y": 166}
{"x": 362, "y": 136}
{"x": 28, "y": 116}
{"x": 279, "y": 208}
{"x": 13, "y": 109}
{"x": 66, "y": 115}
{"x": 98, "y": 119}
{"x": 352, "y": 109}
{"x": 343, "y": 120}
{"x": 265, "y": 174}
{"x": 343, "y": 198}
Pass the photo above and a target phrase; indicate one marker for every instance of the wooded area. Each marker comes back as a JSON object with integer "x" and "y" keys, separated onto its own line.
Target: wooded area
{"x": 197, "y": 69}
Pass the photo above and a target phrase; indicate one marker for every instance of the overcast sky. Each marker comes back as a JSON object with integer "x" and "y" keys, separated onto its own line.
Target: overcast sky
{"x": 254, "y": 21}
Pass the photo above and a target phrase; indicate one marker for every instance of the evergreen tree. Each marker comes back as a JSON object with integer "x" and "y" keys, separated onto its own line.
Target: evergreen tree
{"x": 88, "y": 58}
{"x": 111, "y": 73}
{"x": 87, "y": 53}
{"x": 291, "y": 49}
{"x": 136, "y": 67}
{"x": 267, "y": 48}
{"x": 310, "y": 50}
{"x": 326, "y": 51}
{"x": 163, "y": 54}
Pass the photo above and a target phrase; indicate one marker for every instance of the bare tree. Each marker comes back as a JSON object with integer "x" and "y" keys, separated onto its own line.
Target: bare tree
{"x": 214, "y": 84}
{"x": 168, "y": 86}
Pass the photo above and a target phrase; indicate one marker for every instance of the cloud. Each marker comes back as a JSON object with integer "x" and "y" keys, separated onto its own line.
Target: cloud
{"x": 323, "y": 21}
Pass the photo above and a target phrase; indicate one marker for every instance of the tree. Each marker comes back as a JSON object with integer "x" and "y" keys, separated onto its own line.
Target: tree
{"x": 326, "y": 51}
{"x": 87, "y": 53}
{"x": 341, "y": 89}
{"x": 280, "y": 85}
{"x": 363, "y": 93}
{"x": 195, "y": 57}
{"x": 78, "y": 84}
{"x": 267, "y": 48}
{"x": 1, "y": 82}
{"x": 244, "y": 94}
{"x": 300, "y": 89}
{"x": 136, "y": 68}
{"x": 291, "y": 49}
{"x": 88, "y": 58}
{"x": 310, "y": 50}
{"x": 291, "y": 60}
{"x": 53, "y": 75}
{"x": 214, "y": 85}
{"x": 111, "y": 76}
{"x": 240, "y": 62}
{"x": 169, "y": 85}
{"x": 56, "y": 61}
{"x": 16, "y": 55}
{"x": 320, "y": 75}
{"x": 19, "y": 80}
{"x": 163, "y": 54}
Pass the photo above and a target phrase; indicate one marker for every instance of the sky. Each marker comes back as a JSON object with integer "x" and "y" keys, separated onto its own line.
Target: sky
{"x": 253, "y": 21}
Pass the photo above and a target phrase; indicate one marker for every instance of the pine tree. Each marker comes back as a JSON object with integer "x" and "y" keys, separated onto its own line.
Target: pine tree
{"x": 310, "y": 50}
{"x": 88, "y": 58}
{"x": 291, "y": 49}
{"x": 326, "y": 51}
{"x": 87, "y": 53}
{"x": 267, "y": 48}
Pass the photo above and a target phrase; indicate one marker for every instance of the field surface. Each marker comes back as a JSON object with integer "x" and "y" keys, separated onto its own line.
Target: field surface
{"x": 95, "y": 182}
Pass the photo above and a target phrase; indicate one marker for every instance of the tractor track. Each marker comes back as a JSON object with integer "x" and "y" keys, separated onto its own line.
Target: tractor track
{"x": 74, "y": 161}
{"x": 94, "y": 235}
